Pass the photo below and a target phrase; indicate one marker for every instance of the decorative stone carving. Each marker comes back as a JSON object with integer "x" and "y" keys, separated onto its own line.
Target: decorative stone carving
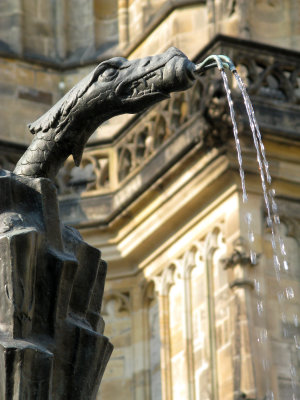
{"x": 205, "y": 100}
{"x": 121, "y": 301}
{"x": 274, "y": 80}
{"x": 237, "y": 257}
{"x": 92, "y": 174}
{"x": 164, "y": 281}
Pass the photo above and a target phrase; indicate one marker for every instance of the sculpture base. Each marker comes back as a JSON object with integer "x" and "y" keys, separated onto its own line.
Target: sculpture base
{"x": 51, "y": 287}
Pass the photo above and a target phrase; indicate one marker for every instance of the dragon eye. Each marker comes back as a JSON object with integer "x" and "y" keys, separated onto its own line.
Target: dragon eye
{"x": 109, "y": 73}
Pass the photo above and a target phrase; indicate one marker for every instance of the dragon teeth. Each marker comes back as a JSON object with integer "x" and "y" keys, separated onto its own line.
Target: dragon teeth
{"x": 143, "y": 86}
{"x": 145, "y": 82}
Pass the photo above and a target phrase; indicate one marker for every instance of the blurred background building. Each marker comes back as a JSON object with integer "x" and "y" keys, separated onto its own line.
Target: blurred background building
{"x": 159, "y": 193}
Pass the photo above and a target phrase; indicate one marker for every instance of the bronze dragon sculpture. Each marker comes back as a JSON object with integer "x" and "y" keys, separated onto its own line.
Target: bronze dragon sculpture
{"x": 114, "y": 87}
{"x": 51, "y": 282}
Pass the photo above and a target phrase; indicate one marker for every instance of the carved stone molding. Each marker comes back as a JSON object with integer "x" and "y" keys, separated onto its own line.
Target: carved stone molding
{"x": 122, "y": 301}
{"x": 238, "y": 257}
{"x": 205, "y": 101}
{"x": 92, "y": 175}
{"x": 164, "y": 281}
{"x": 272, "y": 79}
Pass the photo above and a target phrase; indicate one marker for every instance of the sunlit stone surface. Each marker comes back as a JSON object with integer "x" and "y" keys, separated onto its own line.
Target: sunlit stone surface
{"x": 164, "y": 189}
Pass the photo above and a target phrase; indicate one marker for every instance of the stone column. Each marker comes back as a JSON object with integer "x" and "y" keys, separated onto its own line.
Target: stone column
{"x": 80, "y": 28}
{"x": 11, "y": 25}
{"x": 60, "y": 28}
{"x": 162, "y": 285}
{"x": 186, "y": 265}
{"x": 123, "y": 23}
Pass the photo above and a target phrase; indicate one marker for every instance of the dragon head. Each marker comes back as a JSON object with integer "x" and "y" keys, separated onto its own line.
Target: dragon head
{"x": 114, "y": 87}
{"x": 133, "y": 86}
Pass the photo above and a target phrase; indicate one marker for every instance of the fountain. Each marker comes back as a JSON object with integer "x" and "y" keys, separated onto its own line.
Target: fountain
{"x": 51, "y": 331}
{"x": 51, "y": 282}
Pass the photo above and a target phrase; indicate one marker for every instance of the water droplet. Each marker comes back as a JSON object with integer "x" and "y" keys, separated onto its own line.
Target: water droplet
{"x": 293, "y": 371}
{"x": 286, "y": 332}
{"x": 269, "y": 221}
{"x": 296, "y": 320}
{"x": 245, "y": 198}
{"x": 257, "y": 286}
{"x": 276, "y": 219}
{"x": 253, "y": 257}
{"x": 251, "y": 236}
{"x": 273, "y": 242}
{"x": 269, "y": 395}
{"x": 276, "y": 263}
{"x": 285, "y": 265}
{"x": 283, "y": 318}
{"x": 289, "y": 292}
{"x": 274, "y": 206}
{"x": 265, "y": 364}
{"x": 282, "y": 247}
{"x": 260, "y": 307}
{"x": 248, "y": 218}
{"x": 297, "y": 341}
{"x": 272, "y": 192}
{"x": 263, "y": 335}
{"x": 280, "y": 297}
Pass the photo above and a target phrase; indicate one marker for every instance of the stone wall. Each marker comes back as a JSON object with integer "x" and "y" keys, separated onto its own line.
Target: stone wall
{"x": 77, "y": 31}
{"x": 160, "y": 195}
{"x": 61, "y": 35}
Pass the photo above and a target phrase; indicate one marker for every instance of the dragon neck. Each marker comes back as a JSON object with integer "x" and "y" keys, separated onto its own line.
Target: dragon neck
{"x": 49, "y": 150}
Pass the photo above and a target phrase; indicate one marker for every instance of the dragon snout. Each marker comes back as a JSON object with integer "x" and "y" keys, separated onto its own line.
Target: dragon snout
{"x": 153, "y": 78}
{"x": 178, "y": 73}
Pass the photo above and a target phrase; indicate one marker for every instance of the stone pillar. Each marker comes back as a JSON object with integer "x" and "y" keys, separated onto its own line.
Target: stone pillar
{"x": 162, "y": 285}
{"x": 60, "y": 28}
{"x": 123, "y": 23}
{"x": 186, "y": 265}
{"x": 11, "y": 25}
{"x": 80, "y": 29}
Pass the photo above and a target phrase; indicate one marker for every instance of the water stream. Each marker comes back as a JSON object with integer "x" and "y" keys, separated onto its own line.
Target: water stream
{"x": 280, "y": 262}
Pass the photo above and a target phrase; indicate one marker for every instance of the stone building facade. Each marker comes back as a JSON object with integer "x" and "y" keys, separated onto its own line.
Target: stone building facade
{"x": 159, "y": 193}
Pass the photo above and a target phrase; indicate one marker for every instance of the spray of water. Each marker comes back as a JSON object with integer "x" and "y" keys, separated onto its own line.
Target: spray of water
{"x": 273, "y": 221}
{"x": 262, "y": 338}
{"x": 236, "y": 135}
{"x": 280, "y": 262}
